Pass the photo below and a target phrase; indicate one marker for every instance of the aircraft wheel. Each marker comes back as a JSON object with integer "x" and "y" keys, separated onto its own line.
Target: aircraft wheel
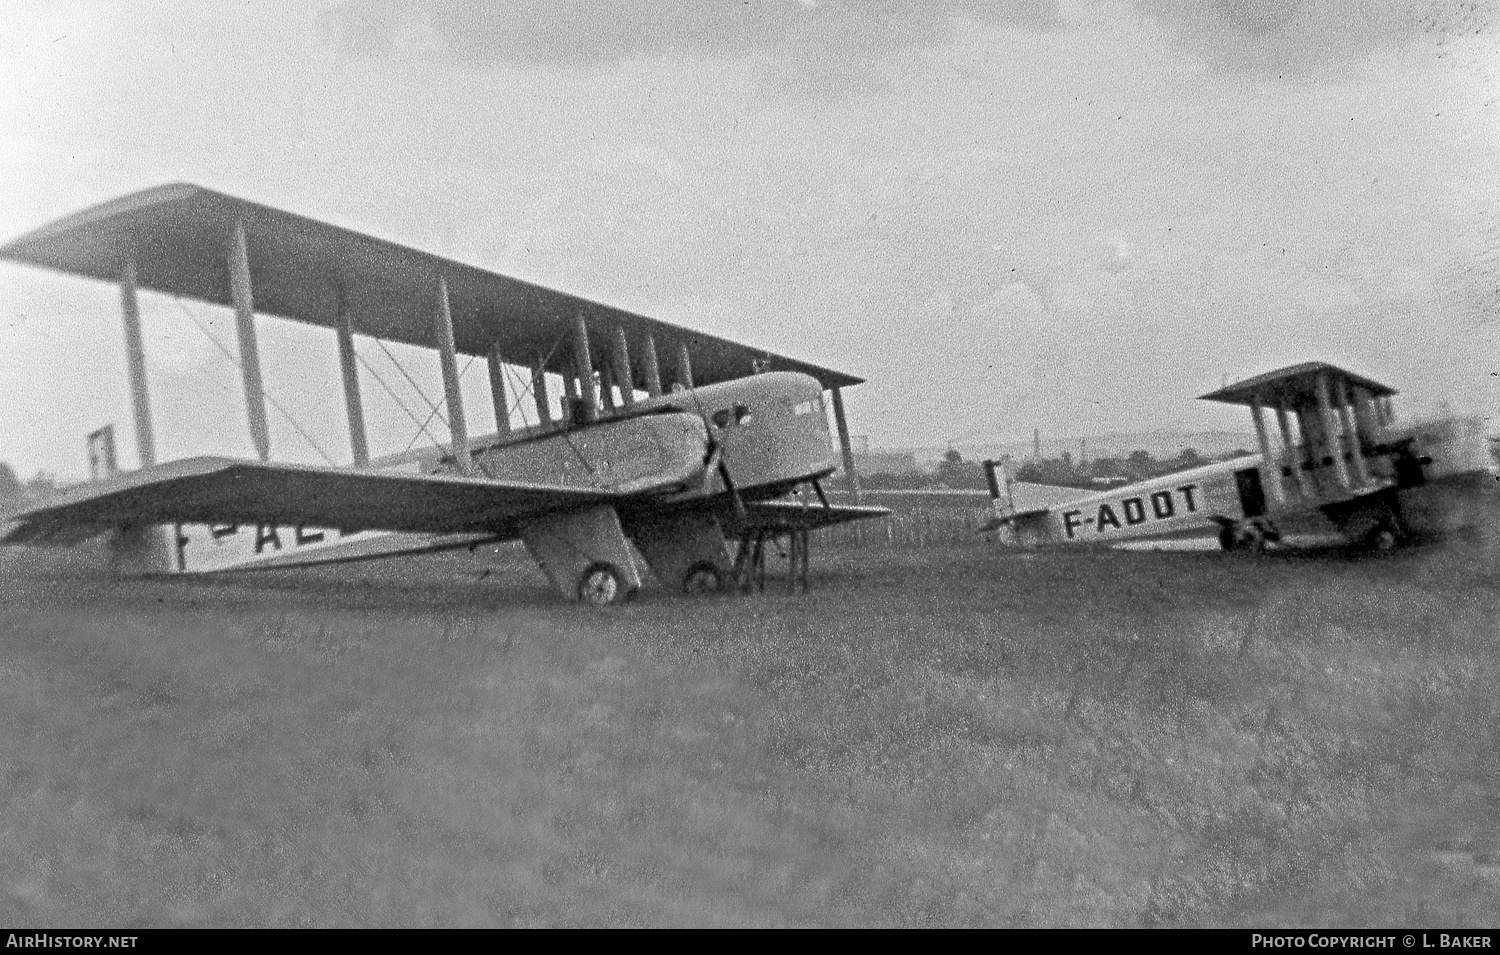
{"x": 1251, "y": 535}
{"x": 703, "y": 578}
{"x": 1383, "y": 537}
{"x": 1228, "y": 539}
{"x": 601, "y": 585}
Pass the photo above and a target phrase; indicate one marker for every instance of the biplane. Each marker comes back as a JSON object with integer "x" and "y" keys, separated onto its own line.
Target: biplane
{"x": 663, "y": 442}
{"x": 1337, "y": 459}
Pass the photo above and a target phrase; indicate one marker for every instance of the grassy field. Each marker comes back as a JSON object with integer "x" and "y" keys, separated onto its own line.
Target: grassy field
{"x": 931, "y": 737}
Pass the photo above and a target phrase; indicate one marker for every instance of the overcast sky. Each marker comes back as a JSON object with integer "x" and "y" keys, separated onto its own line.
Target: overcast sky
{"x": 1067, "y": 214}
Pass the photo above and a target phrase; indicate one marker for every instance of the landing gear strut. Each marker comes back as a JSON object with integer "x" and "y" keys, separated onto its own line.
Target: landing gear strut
{"x": 1374, "y": 525}
{"x": 1251, "y": 534}
{"x": 750, "y": 561}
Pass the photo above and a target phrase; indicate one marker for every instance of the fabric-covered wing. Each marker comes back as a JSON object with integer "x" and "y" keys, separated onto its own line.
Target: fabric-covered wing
{"x": 227, "y": 491}
{"x": 315, "y": 272}
{"x": 793, "y": 515}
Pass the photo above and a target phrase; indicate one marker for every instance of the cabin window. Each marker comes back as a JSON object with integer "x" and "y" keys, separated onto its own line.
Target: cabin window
{"x": 739, "y": 414}
{"x": 806, "y": 407}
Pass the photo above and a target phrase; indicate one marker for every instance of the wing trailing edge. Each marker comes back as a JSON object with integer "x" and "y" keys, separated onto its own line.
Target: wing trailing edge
{"x": 211, "y": 490}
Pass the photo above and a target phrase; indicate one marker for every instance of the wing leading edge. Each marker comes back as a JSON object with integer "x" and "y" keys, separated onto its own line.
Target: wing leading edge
{"x": 210, "y": 490}
{"x": 322, "y": 274}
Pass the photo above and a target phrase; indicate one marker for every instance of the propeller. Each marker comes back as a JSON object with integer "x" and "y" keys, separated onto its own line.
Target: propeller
{"x": 713, "y": 463}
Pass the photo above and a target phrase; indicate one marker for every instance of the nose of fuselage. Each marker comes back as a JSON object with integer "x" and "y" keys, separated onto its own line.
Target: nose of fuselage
{"x": 779, "y": 445}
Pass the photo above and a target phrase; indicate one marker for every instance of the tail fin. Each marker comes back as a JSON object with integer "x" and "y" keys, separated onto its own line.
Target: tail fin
{"x": 1002, "y": 506}
{"x": 137, "y": 549}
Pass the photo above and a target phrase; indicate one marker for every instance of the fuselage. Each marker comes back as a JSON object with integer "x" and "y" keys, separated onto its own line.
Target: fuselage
{"x": 771, "y": 429}
{"x": 768, "y": 431}
{"x": 1432, "y": 471}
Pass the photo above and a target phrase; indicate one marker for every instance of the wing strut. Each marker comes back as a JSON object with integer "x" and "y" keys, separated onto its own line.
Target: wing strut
{"x": 539, "y": 393}
{"x": 584, "y": 362}
{"x": 1331, "y": 437}
{"x": 359, "y": 443}
{"x": 843, "y": 426}
{"x": 620, "y": 357}
{"x": 457, "y": 427}
{"x": 1272, "y": 465}
{"x": 684, "y": 366}
{"x": 244, "y": 324}
{"x": 1293, "y": 454}
{"x": 652, "y": 368}
{"x": 135, "y": 359}
{"x": 497, "y": 390}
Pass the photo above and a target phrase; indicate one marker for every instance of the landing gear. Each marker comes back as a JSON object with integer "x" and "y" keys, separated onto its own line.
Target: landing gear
{"x": 602, "y": 585}
{"x": 1252, "y": 534}
{"x": 1374, "y": 525}
{"x": 1383, "y": 537}
{"x": 750, "y": 562}
{"x": 1228, "y": 539}
{"x": 703, "y": 578}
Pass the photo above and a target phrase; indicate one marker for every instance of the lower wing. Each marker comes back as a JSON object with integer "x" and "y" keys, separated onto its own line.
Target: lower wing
{"x": 225, "y": 491}
{"x": 781, "y": 516}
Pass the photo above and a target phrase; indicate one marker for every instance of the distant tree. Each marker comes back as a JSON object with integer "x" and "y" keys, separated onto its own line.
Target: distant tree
{"x": 886, "y": 481}
{"x": 1140, "y": 464}
{"x": 953, "y": 471}
{"x": 10, "y": 485}
{"x": 1190, "y": 458}
{"x": 1106, "y": 467}
{"x": 41, "y": 481}
{"x": 1061, "y": 472}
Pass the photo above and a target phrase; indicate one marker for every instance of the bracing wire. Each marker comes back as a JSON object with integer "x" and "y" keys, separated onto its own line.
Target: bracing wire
{"x": 409, "y": 379}
{"x": 270, "y": 398}
{"x": 410, "y": 444}
{"x": 526, "y": 388}
{"x": 522, "y": 389}
{"x": 421, "y": 425}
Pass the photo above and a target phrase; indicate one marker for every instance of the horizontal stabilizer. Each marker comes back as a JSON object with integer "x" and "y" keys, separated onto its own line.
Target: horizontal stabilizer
{"x": 1013, "y": 518}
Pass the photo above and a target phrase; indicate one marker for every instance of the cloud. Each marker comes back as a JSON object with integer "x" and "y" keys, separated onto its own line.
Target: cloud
{"x": 832, "y": 34}
{"x": 1281, "y": 36}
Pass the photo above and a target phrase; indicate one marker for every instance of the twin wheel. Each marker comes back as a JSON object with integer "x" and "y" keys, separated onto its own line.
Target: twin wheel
{"x": 602, "y": 584}
{"x": 1252, "y": 534}
{"x": 1378, "y": 531}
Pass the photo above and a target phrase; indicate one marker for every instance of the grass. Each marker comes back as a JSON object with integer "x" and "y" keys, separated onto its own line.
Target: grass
{"x": 963, "y": 736}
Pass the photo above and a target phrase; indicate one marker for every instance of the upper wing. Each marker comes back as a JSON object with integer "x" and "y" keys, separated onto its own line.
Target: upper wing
{"x": 1297, "y": 386}
{"x": 314, "y": 272}
{"x": 227, "y": 491}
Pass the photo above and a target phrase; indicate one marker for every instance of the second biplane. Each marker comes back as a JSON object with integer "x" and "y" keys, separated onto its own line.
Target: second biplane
{"x": 1338, "y": 457}
{"x": 628, "y": 462}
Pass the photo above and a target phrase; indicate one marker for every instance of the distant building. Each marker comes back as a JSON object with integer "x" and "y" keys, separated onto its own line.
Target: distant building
{"x": 868, "y": 462}
{"x": 885, "y": 462}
